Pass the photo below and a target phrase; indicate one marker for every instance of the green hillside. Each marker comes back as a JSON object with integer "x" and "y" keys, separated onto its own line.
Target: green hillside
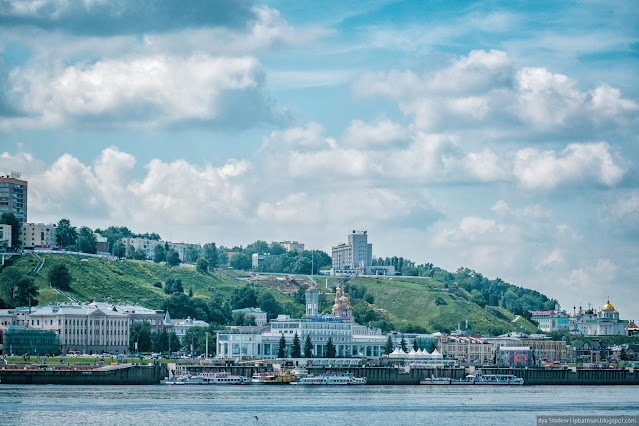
{"x": 404, "y": 304}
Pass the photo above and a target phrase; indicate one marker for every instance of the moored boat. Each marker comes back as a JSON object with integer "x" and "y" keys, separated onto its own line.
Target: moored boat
{"x": 207, "y": 379}
{"x": 432, "y": 380}
{"x": 489, "y": 379}
{"x": 330, "y": 379}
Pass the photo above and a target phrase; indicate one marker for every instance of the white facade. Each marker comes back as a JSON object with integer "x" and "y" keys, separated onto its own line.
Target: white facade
{"x": 354, "y": 256}
{"x": 180, "y": 326}
{"x": 38, "y": 235}
{"x": 605, "y": 322}
{"x": 149, "y": 246}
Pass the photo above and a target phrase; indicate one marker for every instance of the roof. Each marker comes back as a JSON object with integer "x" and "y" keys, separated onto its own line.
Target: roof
{"x": 249, "y": 310}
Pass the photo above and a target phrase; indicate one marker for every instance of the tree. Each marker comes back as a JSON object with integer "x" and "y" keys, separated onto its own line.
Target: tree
{"x": 173, "y": 285}
{"x": 296, "y": 350}
{"x": 276, "y": 249}
{"x": 209, "y": 252}
{"x": 59, "y": 277}
{"x": 172, "y": 258}
{"x": 14, "y": 222}
{"x": 330, "y": 348}
{"x": 159, "y": 254}
{"x": 222, "y": 258}
{"x": 17, "y": 289}
{"x": 258, "y": 246}
{"x": 87, "y": 241}
{"x": 281, "y": 350}
{"x": 241, "y": 261}
{"x": 174, "y": 342}
{"x": 623, "y": 354}
{"x": 478, "y": 297}
{"x": 191, "y": 253}
{"x": 243, "y": 297}
{"x": 403, "y": 344}
{"x": 415, "y": 344}
{"x": 202, "y": 265}
{"x": 241, "y": 318}
{"x": 268, "y": 304}
{"x": 308, "y": 347}
{"x": 118, "y": 250}
{"x": 389, "y": 345}
{"x": 141, "y": 334}
{"x": 66, "y": 235}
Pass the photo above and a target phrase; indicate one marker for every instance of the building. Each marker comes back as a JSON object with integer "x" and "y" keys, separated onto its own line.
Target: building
{"x": 156, "y": 318}
{"x": 350, "y": 339}
{"x": 353, "y": 257}
{"x": 5, "y": 235}
{"x": 19, "y": 340}
{"x": 465, "y": 348}
{"x": 292, "y": 246}
{"x": 38, "y": 235}
{"x": 605, "y": 322}
{"x": 102, "y": 244}
{"x": 259, "y": 315}
{"x": 543, "y": 347}
{"x": 13, "y": 196}
{"x": 181, "y": 326}
{"x": 552, "y": 321}
{"x": 514, "y": 356}
{"x": 148, "y": 246}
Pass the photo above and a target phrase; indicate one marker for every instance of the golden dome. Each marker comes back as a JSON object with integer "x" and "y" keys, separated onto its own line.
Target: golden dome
{"x": 608, "y": 306}
{"x": 337, "y": 306}
{"x": 349, "y": 308}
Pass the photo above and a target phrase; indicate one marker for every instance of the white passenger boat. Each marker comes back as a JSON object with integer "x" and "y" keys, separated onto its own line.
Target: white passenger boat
{"x": 331, "y": 379}
{"x": 432, "y": 380}
{"x": 489, "y": 379}
{"x": 207, "y": 379}
{"x": 261, "y": 378}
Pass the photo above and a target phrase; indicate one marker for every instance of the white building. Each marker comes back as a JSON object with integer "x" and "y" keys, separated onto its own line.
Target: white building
{"x": 5, "y": 235}
{"x": 259, "y": 315}
{"x": 605, "y": 322}
{"x": 353, "y": 257}
{"x": 148, "y": 246}
{"x": 180, "y": 326}
{"x": 350, "y": 339}
{"x": 38, "y": 235}
{"x": 81, "y": 327}
{"x": 552, "y": 321}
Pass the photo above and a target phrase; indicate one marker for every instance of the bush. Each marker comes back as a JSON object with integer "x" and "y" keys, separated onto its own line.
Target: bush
{"x": 370, "y": 298}
{"x": 157, "y": 284}
{"x": 440, "y": 301}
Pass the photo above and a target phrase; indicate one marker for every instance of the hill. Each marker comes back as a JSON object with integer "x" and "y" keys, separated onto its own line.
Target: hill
{"x": 402, "y": 303}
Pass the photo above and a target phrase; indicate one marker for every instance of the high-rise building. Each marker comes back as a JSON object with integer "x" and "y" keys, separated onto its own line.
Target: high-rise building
{"x": 357, "y": 255}
{"x": 13, "y": 196}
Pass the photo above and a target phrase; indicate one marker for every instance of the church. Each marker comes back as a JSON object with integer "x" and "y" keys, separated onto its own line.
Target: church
{"x": 605, "y": 322}
{"x": 350, "y": 339}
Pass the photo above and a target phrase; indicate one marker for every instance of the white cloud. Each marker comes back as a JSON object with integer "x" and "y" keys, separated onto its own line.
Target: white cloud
{"x": 381, "y": 134}
{"x": 554, "y": 257}
{"x": 147, "y": 90}
{"x": 535, "y": 169}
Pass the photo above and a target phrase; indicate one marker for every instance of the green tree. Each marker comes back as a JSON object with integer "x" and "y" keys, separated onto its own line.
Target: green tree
{"x": 258, "y": 246}
{"x": 281, "y": 350}
{"x": 415, "y": 344}
{"x": 87, "y": 241}
{"x": 17, "y": 289}
{"x": 118, "y": 249}
{"x": 66, "y": 235}
{"x": 243, "y": 297}
{"x": 172, "y": 258}
{"x": 14, "y": 222}
{"x": 330, "y": 348}
{"x": 388, "y": 348}
{"x": 276, "y": 249}
{"x": 209, "y": 252}
{"x": 403, "y": 344}
{"x": 59, "y": 277}
{"x": 191, "y": 253}
{"x": 308, "y": 347}
{"x": 173, "y": 285}
{"x": 241, "y": 318}
{"x": 174, "y": 342}
{"x": 268, "y": 304}
{"x": 140, "y": 333}
{"x": 477, "y": 297}
{"x": 202, "y": 265}
{"x": 623, "y": 354}
{"x": 241, "y": 261}
{"x": 296, "y": 349}
{"x": 159, "y": 254}
{"x": 195, "y": 336}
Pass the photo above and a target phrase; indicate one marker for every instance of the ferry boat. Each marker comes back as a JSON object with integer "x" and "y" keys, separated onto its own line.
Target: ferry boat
{"x": 207, "y": 379}
{"x": 489, "y": 379}
{"x": 330, "y": 379}
{"x": 260, "y": 378}
{"x": 432, "y": 380}
{"x": 285, "y": 377}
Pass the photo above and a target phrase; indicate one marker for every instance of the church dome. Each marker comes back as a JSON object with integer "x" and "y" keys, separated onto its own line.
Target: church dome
{"x": 608, "y": 306}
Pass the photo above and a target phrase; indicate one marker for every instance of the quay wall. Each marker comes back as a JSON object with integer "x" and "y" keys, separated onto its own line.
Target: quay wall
{"x": 542, "y": 376}
{"x": 120, "y": 375}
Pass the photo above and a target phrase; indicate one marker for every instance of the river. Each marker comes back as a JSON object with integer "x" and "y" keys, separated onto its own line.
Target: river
{"x": 294, "y": 405}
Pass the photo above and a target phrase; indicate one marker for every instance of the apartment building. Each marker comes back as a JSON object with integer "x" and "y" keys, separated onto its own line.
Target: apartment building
{"x": 13, "y": 195}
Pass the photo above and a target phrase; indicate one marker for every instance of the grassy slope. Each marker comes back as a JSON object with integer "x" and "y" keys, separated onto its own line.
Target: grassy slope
{"x": 403, "y": 300}
{"x": 413, "y": 300}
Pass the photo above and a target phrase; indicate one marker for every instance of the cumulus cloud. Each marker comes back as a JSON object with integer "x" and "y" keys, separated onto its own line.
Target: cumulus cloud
{"x": 149, "y": 90}
{"x": 383, "y": 133}
{"x": 535, "y": 169}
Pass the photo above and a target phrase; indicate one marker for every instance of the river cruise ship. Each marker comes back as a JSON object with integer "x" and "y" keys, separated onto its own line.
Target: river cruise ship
{"x": 330, "y": 379}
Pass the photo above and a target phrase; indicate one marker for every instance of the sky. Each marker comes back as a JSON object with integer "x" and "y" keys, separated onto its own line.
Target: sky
{"x": 497, "y": 136}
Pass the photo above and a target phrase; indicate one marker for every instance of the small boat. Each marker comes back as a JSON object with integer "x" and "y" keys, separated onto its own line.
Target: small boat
{"x": 285, "y": 377}
{"x": 330, "y": 379}
{"x": 489, "y": 379}
{"x": 432, "y": 380}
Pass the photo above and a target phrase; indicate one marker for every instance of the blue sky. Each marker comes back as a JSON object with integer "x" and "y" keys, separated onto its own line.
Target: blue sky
{"x": 499, "y": 136}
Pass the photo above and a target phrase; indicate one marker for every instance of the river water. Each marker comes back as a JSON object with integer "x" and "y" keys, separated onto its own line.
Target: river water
{"x": 295, "y": 405}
